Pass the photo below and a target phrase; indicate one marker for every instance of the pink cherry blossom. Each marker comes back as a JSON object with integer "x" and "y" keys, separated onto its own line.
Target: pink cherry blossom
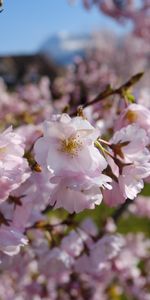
{"x": 77, "y": 194}
{"x": 59, "y": 261}
{"x": 13, "y": 167}
{"x": 11, "y": 240}
{"x": 141, "y": 207}
{"x": 101, "y": 154}
{"x": 68, "y": 146}
{"x": 135, "y": 113}
{"x": 75, "y": 165}
{"x": 131, "y": 163}
{"x": 135, "y": 139}
{"x": 73, "y": 244}
{"x": 100, "y": 254}
{"x": 131, "y": 180}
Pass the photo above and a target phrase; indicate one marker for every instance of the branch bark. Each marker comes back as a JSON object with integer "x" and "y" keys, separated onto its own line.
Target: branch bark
{"x": 109, "y": 91}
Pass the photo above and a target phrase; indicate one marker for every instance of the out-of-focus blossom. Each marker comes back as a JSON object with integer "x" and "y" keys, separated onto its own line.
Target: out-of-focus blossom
{"x": 60, "y": 263}
{"x": 99, "y": 254}
{"x": 11, "y": 240}
{"x": 141, "y": 207}
{"x": 73, "y": 244}
{"x": 14, "y": 168}
{"x": 125, "y": 10}
{"x": 135, "y": 113}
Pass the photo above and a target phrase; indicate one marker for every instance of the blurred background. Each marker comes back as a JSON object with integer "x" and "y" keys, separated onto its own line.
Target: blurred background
{"x": 44, "y": 37}
{"x": 54, "y": 56}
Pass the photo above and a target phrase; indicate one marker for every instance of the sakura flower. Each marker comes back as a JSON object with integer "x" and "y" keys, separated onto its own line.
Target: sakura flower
{"x": 75, "y": 242}
{"x": 135, "y": 113}
{"x": 89, "y": 227}
{"x": 37, "y": 189}
{"x": 13, "y": 167}
{"x": 36, "y": 192}
{"x": 129, "y": 143}
{"x": 77, "y": 194}
{"x": 131, "y": 180}
{"x": 75, "y": 165}
{"x": 68, "y": 146}
{"x": 72, "y": 244}
{"x": 131, "y": 163}
{"x": 141, "y": 207}
{"x": 108, "y": 247}
{"x": 11, "y": 240}
{"x": 101, "y": 252}
{"x": 59, "y": 262}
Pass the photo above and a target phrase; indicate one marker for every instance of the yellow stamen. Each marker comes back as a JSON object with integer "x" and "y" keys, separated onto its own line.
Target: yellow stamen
{"x": 131, "y": 116}
{"x": 71, "y": 146}
{"x": 3, "y": 149}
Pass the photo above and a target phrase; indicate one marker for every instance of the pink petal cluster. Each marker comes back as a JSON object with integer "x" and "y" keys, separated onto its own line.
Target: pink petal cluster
{"x": 134, "y": 113}
{"x": 141, "y": 207}
{"x": 131, "y": 163}
{"x": 13, "y": 166}
{"x": 68, "y": 152}
{"x": 11, "y": 240}
{"x": 78, "y": 251}
{"x": 66, "y": 257}
{"x": 100, "y": 253}
{"x": 13, "y": 221}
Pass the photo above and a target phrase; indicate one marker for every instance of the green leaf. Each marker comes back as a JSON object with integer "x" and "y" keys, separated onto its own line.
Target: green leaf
{"x": 130, "y": 97}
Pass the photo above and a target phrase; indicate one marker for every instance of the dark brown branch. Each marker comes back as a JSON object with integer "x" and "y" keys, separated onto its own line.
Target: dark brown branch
{"x": 120, "y": 210}
{"x": 109, "y": 91}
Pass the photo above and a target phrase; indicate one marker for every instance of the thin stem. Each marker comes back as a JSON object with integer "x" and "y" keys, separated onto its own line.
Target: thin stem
{"x": 109, "y": 91}
{"x": 103, "y": 141}
{"x": 120, "y": 211}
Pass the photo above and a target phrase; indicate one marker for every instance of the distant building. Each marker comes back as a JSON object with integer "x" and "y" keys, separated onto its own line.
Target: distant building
{"x": 26, "y": 68}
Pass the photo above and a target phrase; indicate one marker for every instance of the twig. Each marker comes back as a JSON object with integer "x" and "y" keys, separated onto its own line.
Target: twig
{"x": 109, "y": 91}
{"x": 119, "y": 211}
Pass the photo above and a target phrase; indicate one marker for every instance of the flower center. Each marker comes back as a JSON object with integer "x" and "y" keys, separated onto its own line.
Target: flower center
{"x": 3, "y": 150}
{"x": 131, "y": 116}
{"x": 71, "y": 145}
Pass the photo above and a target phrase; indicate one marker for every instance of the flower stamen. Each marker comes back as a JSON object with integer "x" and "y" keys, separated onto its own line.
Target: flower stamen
{"x": 131, "y": 116}
{"x": 71, "y": 146}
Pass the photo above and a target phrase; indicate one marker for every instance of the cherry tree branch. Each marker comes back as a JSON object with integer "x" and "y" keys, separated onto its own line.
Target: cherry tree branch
{"x": 120, "y": 210}
{"x": 109, "y": 91}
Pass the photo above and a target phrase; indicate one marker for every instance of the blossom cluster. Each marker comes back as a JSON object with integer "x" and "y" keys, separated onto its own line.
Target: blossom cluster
{"x": 72, "y": 162}
{"x": 74, "y": 181}
{"x": 75, "y": 164}
{"x": 125, "y": 10}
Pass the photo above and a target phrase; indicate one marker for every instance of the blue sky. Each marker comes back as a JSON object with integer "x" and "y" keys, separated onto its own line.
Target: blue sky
{"x": 26, "y": 24}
